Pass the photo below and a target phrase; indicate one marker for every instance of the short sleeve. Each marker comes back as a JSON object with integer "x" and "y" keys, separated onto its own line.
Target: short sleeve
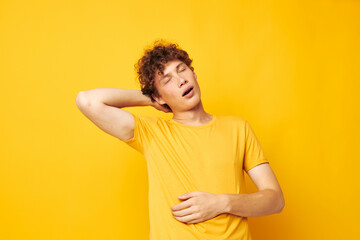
{"x": 254, "y": 154}
{"x": 143, "y": 132}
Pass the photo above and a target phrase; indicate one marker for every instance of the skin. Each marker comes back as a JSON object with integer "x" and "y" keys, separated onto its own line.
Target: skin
{"x": 200, "y": 206}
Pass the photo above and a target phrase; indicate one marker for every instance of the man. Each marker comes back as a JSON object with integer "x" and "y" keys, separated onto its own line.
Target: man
{"x": 196, "y": 161}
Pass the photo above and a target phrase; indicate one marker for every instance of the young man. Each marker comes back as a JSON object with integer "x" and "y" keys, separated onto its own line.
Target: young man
{"x": 196, "y": 160}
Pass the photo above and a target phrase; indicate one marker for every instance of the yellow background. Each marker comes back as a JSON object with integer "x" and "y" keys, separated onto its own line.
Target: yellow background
{"x": 291, "y": 68}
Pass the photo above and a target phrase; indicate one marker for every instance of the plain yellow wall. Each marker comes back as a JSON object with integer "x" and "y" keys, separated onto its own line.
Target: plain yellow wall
{"x": 291, "y": 68}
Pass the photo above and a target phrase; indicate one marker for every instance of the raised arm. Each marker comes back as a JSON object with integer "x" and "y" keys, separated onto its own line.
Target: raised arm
{"x": 103, "y": 107}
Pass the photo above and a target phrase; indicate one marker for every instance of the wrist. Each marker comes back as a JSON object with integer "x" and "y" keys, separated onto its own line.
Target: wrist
{"x": 150, "y": 103}
{"x": 224, "y": 202}
{"x": 146, "y": 101}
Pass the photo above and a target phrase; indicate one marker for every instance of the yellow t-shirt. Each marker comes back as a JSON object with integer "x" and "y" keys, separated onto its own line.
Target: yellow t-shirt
{"x": 181, "y": 158}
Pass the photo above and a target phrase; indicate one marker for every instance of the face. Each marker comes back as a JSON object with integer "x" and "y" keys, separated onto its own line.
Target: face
{"x": 172, "y": 85}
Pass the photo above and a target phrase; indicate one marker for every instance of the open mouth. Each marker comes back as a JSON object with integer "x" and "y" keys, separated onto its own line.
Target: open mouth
{"x": 187, "y": 92}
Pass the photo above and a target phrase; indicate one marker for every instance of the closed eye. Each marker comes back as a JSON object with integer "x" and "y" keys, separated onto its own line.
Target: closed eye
{"x": 166, "y": 81}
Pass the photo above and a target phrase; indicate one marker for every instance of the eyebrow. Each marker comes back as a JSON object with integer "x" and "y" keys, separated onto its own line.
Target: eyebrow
{"x": 177, "y": 68}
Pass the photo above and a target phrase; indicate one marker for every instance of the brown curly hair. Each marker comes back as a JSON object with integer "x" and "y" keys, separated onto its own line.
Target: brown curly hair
{"x": 154, "y": 59}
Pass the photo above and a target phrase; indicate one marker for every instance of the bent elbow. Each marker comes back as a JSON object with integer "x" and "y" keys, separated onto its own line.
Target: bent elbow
{"x": 80, "y": 99}
{"x": 83, "y": 101}
{"x": 281, "y": 204}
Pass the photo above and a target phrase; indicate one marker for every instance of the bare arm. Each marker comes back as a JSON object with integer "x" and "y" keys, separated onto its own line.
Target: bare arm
{"x": 200, "y": 206}
{"x": 268, "y": 200}
{"x": 103, "y": 107}
{"x": 116, "y": 97}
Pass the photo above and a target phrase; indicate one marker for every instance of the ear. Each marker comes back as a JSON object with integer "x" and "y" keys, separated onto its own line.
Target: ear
{"x": 158, "y": 99}
{"x": 195, "y": 76}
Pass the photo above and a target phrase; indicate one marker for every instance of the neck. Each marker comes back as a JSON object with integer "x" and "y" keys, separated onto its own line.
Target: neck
{"x": 195, "y": 116}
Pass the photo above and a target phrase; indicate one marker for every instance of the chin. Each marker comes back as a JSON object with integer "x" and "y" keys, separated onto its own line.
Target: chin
{"x": 196, "y": 103}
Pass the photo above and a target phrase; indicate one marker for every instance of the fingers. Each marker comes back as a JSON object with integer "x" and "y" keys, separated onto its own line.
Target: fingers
{"x": 188, "y": 218}
{"x": 183, "y": 212}
{"x": 182, "y": 205}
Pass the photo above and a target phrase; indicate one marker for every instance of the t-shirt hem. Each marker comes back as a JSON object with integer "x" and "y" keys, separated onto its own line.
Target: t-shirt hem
{"x": 256, "y": 164}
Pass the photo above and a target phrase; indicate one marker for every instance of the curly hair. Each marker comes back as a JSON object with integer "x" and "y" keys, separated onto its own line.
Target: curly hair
{"x": 153, "y": 60}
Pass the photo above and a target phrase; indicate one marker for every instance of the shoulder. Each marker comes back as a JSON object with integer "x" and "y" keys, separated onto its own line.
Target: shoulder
{"x": 146, "y": 117}
{"x": 146, "y": 120}
{"x": 232, "y": 119}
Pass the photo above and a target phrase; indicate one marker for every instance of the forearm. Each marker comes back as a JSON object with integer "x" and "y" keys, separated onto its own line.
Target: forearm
{"x": 117, "y": 97}
{"x": 261, "y": 203}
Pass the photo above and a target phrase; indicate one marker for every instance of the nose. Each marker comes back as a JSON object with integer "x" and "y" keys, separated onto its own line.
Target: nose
{"x": 181, "y": 81}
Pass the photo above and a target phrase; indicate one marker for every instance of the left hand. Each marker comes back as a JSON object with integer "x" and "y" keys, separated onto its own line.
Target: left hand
{"x": 198, "y": 206}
